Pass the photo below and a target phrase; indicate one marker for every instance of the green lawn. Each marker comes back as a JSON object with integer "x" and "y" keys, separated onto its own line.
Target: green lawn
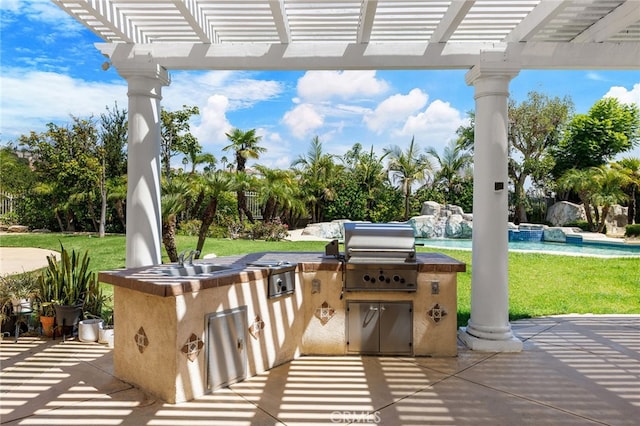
{"x": 539, "y": 284}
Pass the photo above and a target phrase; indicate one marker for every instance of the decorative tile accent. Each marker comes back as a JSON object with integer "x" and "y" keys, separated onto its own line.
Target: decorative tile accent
{"x": 192, "y": 347}
{"x": 324, "y": 313}
{"x": 436, "y": 313}
{"x": 255, "y": 329}
{"x": 141, "y": 340}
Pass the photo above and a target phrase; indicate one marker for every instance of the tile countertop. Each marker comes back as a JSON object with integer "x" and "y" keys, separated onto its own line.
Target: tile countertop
{"x": 146, "y": 279}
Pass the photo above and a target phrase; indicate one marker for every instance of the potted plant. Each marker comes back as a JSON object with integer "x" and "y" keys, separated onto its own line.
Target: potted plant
{"x": 88, "y": 328}
{"x": 105, "y": 334}
{"x": 66, "y": 284}
{"x": 47, "y": 318}
{"x": 16, "y": 296}
{"x": 20, "y": 290}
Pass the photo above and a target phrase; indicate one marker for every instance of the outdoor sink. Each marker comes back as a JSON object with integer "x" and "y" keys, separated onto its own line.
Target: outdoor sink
{"x": 190, "y": 270}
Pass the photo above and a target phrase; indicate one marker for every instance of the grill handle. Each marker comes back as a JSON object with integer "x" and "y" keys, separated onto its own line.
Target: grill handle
{"x": 375, "y": 250}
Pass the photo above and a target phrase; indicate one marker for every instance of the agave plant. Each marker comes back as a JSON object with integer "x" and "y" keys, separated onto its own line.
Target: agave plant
{"x": 67, "y": 282}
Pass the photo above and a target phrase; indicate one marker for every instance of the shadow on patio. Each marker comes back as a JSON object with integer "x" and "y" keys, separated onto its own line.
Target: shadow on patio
{"x": 574, "y": 370}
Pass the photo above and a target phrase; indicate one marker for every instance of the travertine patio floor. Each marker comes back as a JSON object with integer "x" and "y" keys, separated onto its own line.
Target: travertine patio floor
{"x": 579, "y": 369}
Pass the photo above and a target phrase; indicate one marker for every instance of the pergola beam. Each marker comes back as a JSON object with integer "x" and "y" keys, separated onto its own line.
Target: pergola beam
{"x": 451, "y": 19}
{"x": 617, "y": 20}
{"x": 280, "y": 21}
{"x": 543, "y": 13}
{"x": 355, "y": 56}
{"x": 367, "y": 15}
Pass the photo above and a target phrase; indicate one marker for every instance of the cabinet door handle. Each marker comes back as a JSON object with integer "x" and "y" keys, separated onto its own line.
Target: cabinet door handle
{"x": 240, "y": 344}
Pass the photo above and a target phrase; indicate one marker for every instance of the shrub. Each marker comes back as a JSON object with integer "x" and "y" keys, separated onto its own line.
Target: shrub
{"x": 632, "y": 231}
{"x": 189, "y": 227}
{"x": 270, "y": 231}
{"x": 582, "y": 224}
{"x": 9, "y": 218}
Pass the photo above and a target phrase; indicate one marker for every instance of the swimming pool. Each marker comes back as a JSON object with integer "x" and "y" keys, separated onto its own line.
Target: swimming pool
{"x": 543, "y": 247}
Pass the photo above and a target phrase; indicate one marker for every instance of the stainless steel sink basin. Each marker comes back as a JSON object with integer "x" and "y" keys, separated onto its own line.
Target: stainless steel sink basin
{"x": 191, "y": 270}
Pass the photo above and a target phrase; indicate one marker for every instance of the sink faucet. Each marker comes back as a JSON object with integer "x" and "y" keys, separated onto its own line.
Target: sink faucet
{"x": 189, "y": 257}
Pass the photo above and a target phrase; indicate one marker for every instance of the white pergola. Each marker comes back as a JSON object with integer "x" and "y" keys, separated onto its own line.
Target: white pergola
{"x": 493, "y": 39}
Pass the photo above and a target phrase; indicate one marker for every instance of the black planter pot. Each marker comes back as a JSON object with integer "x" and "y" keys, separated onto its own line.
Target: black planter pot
{"x": 67, "y": 318}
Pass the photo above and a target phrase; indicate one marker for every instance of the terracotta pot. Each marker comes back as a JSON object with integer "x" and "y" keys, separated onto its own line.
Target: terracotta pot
{"x": 47, "y": 325}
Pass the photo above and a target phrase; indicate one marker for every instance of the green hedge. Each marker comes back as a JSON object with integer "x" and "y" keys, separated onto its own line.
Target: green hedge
{"x": 632, "y": 231}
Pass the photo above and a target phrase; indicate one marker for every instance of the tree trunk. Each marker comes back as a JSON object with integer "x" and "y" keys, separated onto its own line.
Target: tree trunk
{"x": 207, "y": 219}
{"x": 103, "y": 210}
{"x": 169, "y": 238}
{"x": 605, "y": 212}
{"x": 119, "y": 205}
{"x": 520, "y": 200}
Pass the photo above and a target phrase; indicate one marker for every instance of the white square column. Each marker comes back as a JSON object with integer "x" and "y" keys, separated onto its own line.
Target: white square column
{"x": 489, "y": 328}
{"x": 144, "y": 221}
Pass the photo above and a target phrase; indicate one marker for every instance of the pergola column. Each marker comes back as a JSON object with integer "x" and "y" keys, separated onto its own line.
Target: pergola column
{"x": 144, "y": 221}
{"x": 489, "y": 328}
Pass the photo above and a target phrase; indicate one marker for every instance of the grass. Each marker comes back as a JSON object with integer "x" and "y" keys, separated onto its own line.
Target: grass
{"x": 539, "y": 284}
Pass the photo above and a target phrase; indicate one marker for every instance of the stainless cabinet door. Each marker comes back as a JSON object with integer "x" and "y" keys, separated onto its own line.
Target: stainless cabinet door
{"x": 396, "y": 328}
{"x": 227, "y": 354}
{"x": 362, "y": 327}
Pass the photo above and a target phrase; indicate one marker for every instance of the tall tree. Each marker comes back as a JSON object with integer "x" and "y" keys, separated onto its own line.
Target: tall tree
{"x": 176, "y": 137}
{"x": 630, "y": 167}
{"x": 112, "y": 156}
{"x": 245, "y": 146}
{"x": 315, "y": 170}
{"x": 534, "y": 128}
{"x": 453, "y": 166}
{"x": 593, "y": 139}
{"x": 408, "y": 168}
{"x": 367, "y": 170}
{"x": 279, "y": 194}
{"x": 66, "y": 163}
{"x": 610, "y": 182}
{"x": 213, "y": 185}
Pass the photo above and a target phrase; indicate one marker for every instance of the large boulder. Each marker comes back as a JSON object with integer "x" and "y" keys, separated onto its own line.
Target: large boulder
{"x": 617, "y": 220}
{"x": 430, "y": 208}
{"x": 427, "y": 226}
{"x": 458, "y": 227}
{"x": 564, "y": 212}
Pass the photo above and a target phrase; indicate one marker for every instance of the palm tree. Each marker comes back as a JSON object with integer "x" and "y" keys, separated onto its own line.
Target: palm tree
{"x": 214, "y": 183}
{"x": 452, "y": 167}
{"x": 242, "y": 182}
{"x": 197, "y": 158}
{"x": 315, "y": 171}
{"x": 245, "y": 145}
{"x": 581, "y": 182}
{"x": 280, "y": 194}
{"x": 368, "y": 169}
{"x": 610, "y": 183}
{"x": 406, "y": 168}
{"x": 631, "y": 167}
{"x": 172, "y": 204}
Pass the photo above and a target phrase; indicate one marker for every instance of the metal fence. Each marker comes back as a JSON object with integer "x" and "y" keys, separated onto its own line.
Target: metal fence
{"x": 7, "y": 202}
{"x": 253, "y": 204}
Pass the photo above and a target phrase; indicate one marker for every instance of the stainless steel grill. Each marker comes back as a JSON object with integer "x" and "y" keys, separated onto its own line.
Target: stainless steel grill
{"x": 380, "y": 257}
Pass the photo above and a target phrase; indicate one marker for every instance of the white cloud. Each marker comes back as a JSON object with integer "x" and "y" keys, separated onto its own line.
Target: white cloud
{"x": 435, "y": 126}
{"x": 625, "y": 96}
{"x": 317, "y": 86}
{"x": 33, "y": 98}
{"x": 302, "y": 120}
{"x": 213, "y": 122}
{"x": 44, "y": 11}
{"x": 395, "y": 109}
{"x": 191, "y": 88}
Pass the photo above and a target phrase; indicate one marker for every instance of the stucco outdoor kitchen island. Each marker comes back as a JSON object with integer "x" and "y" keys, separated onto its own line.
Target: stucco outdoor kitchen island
{"x": 181, "y": 332}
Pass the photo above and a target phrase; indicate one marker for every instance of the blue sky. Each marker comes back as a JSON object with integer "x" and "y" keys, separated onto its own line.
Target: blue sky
{"x": 51, "y": 70}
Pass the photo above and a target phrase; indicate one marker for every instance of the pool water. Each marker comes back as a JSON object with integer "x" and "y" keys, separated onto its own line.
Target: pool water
{"x": 543, "y": 247}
